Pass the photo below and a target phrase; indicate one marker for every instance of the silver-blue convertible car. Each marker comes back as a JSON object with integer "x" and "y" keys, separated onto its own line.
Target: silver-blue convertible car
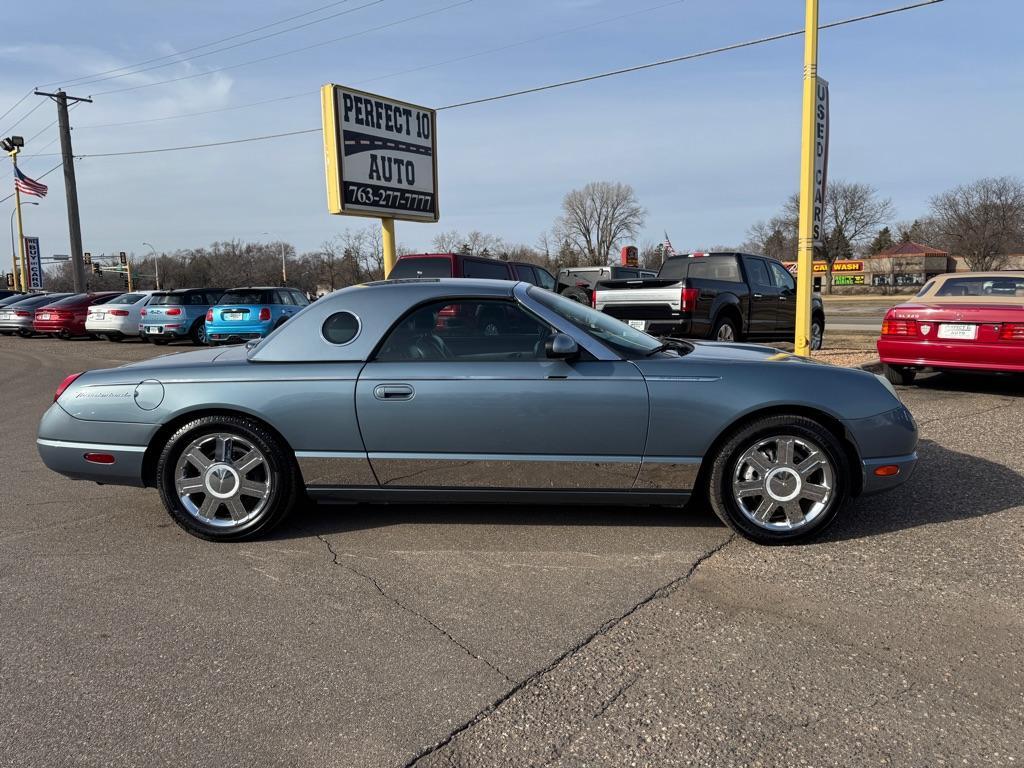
{"x": 477, "y": 391}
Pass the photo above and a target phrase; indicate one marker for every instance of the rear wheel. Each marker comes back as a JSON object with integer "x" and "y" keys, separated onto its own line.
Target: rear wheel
{"x": 725, "y": 329}
{"x": 577, "y": 294}
{"x": 899, "y": 375}
{"x": 198, "y": 332}
{"x": 64, "y": 334}
{"x": 817, "y": 332}
{"x": 225, "y": 478}
{"x": 780, "y": 479}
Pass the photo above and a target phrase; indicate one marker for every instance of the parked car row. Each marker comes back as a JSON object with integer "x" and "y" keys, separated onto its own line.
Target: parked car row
{"x": 201, "y": 315}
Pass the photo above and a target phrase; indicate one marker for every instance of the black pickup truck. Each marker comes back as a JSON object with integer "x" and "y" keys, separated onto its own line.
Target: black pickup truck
{"x": 721, "y": 296}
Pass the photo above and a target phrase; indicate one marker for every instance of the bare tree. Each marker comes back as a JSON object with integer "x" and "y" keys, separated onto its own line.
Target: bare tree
{"x": 447, "y": 242}
{"x": 982, "y": 221}
{"x": 599, "y": 217}
{"x": 775, "y": 238}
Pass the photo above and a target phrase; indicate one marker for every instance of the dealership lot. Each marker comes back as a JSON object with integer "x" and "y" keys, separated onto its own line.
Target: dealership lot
{"x": 376, "y": 635}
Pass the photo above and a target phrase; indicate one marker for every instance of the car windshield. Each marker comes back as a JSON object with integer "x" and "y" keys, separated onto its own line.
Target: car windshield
{"x": 168, "y": 299}
{"x": 38, "y": 301}
{"x": 245, "y": 297}
{"x": 627, "y": 341}
{"x": 127, "y": 298}
{"x": 1011, "y": 285}
{"x": 429, "y": 266}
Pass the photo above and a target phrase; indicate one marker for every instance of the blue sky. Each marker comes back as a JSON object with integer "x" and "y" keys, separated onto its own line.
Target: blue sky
{"x": 921, "y": 101}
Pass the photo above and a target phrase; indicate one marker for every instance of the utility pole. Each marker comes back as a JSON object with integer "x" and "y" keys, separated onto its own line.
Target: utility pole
{"x": 70, "y": 187}
{"x": 805, "y": 252}
{"x": 284, "y": 267}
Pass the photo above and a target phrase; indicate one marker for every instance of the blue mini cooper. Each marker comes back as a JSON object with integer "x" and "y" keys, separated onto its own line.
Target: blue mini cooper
{"x": 251, "y": 313}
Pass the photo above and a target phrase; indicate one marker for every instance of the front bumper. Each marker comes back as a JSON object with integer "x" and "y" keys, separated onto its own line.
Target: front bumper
{"x": 872, "y": 483}
{"x": 888, "y": 439}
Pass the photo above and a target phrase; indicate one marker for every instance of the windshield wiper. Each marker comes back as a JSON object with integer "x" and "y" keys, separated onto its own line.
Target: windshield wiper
{"x": 683, "y": 347}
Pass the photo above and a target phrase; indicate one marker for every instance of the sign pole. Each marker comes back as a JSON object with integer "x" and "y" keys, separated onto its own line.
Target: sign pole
{"x": 387, "y": 229}
{"x": 23, "y": 281}
{"x": 805, "y": 252}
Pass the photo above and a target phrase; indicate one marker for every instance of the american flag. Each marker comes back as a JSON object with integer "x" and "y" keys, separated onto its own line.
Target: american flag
{"x": 28, "y": 186}
{"x": 666, "y": 247}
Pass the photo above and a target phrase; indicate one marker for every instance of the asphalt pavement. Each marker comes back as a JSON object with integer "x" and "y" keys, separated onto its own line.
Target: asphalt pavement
{"x": 469, "y": 635}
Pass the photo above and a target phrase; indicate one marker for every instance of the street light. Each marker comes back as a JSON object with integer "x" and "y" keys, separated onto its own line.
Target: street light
{"x": 156, "y": 264}
{"x": 14, "y": 252}
{"x": 284, "y": 267}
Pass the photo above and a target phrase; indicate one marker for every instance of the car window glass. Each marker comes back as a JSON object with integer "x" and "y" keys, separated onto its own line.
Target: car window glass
{"x": 1011, "y": 285}
{"x": 341, "y": 328}
{"x": 240, "y": 297}
{"x": 526, "y": 274}
{"x": 299, "y": 299}
{"x": 467, "y": 331}
{"x": 70, "y": 301}
{"x": 545, "y": 279}
{"x": 781, "y": 276}
{"x": 757, "y": 271}
{"x": 489, "y": 270}
{"x": 430, "y": 266}
{"x": 283, "y": 297}
{"x": 127, "y": 298}
{"x": 196, "y": 298}
{"x": 167, "y": 300}
{"x": 925, "y": 288}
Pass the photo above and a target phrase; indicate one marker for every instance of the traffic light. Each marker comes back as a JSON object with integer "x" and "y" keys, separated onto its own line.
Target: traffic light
{"x": 124, "y": 279}
{"x": 97, "y": 269}
{"x": 88, "y": 258}
{"x": 10, "y": 280}
{"x": 123, "y": 258}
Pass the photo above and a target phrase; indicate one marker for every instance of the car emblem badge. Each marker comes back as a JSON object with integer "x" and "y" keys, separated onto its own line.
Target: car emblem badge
{"x": 925, "y": 328}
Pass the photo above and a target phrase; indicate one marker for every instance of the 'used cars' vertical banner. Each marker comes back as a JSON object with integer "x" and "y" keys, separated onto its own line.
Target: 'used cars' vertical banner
{"x": 381, "y": 156}
{"x": 35, "y": 263}
{"x": 820, "y": 158}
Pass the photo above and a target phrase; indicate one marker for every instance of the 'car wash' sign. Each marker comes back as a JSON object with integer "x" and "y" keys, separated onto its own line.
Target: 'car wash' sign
{"x": 35, "y": 263}
{"x": 381, "y": 156}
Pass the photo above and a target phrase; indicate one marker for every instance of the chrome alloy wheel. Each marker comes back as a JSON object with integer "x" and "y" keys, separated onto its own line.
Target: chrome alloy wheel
{"x": 817, "y": 335}
{"x": 725, "y": 333}
{"x": 783, "y": 482}
{"x": 223, "y": 480}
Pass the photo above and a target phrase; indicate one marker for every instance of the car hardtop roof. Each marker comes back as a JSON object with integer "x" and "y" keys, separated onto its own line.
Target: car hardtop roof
{"x": 177, "y": 291}
{"x": 705, "y": 254}
{"x": 460, "y": 285}
{"x": 261, "y": 288}
{"x": 1004, "y": 273}
{"x": 454, "y": 254}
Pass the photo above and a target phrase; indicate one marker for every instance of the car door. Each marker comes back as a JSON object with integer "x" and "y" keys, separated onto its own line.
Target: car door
{"x": 764, "y": 298}
{"x": 480, "y": 405}
{"x": 785, "y": 314}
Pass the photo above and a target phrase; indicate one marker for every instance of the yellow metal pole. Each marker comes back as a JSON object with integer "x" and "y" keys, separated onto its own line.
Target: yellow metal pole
{"x": 21, "y": 231}
{"x": 128, "y": 266}
{"x": 805, "y": 252}
{"x": 387, "y": 228}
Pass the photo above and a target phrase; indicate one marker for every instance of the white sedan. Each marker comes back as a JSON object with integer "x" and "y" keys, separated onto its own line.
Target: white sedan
{"x": 119, "y": 317}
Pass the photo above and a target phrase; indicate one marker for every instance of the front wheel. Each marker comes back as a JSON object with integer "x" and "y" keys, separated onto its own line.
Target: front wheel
{"x": 225, "y": 478}
{"x": 898, "y": 375}
{"x": 780, "y": 479}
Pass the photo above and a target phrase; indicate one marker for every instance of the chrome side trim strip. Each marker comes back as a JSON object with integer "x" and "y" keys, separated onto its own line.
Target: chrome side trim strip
{"x": 335, "y": 468}
{"x": 698, "y": 379}
{"x": 677, "y": 473}
{"x": 90, "y": 446}
{"x": 519, "y": 471}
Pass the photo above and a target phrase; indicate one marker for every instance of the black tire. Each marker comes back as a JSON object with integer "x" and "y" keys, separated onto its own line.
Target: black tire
{"x": 279, "y": 467}
{"x": 725, "y": 325}
{"x": 577, "y": 294}
{"x": 817, "y": 332}
{"x": 158, "y": 342}
{"x": 6, "y": 333}
{"x": 115, "y": 337}
{"x": 63, "y": 334}
{"x": 198, "y": 332}
{"x": 775, "y": 530}
{"x": 899, "y": 375}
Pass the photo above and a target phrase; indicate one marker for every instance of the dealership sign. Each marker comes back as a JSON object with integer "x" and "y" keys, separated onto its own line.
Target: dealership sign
{"x": 35, "y": 263}
{"x": 381, "y": 156}
{"x": 820, "y": 160}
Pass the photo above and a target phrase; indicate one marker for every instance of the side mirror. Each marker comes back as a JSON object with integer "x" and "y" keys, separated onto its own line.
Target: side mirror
{"x": 561, "y": 346}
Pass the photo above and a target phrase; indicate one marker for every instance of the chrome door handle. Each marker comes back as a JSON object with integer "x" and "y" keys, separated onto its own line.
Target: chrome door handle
{"x": 782, "y": 298}
{"x": 393, "y": 392}
{"x": 758, "y": 295}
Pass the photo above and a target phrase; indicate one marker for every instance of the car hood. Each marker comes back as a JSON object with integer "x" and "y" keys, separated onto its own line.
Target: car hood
{"x": 711, "y": 351}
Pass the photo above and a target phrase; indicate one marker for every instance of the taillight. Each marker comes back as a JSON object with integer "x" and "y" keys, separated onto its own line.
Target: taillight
{"x": 119, "y": 312}
{"x": 22, "y": 313}
{"x": 1012, "y": 332}
{"x": 899, "y": 327}
{"x": 143, "y": 312}
{"x": 688, "y": 299}
{"x": 209, "y": 315}
{"x": 68, "y": 381}
{"x": 264, "y": 313}
{"x": 173, "y": 311}
{"x": 593, "y": 299}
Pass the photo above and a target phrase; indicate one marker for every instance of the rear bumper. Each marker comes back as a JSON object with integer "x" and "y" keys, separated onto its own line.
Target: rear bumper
{"x": 58, "y": 326}
{"x": 125, "y": 326}
{"x": 68, "y": 459}
{"x": 227, "y": 331}
{"x": 164, "y": 330}
{"x": 24, "y": 324}
{"x": 1006, "y": 356}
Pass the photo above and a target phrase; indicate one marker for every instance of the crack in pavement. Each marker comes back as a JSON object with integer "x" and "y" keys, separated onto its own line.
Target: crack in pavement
{"x": 660, "y": 593}
{"x": 413, "y": 611}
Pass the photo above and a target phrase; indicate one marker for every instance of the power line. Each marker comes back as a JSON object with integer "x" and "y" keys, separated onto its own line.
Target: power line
{"x": 14, "y": 106}
{"x": 11, "y": 127}
{"x": 289, "y": 52}
{"x": 73, "y": 81}
{"x": 392, "y": 74}
{"x": 181, "y": 60}
{"x": 560, "y": 84}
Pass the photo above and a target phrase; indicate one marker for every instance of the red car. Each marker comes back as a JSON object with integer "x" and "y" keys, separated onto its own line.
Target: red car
{"x": 66, "y": 318}
{"x": 971, "y": 321}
